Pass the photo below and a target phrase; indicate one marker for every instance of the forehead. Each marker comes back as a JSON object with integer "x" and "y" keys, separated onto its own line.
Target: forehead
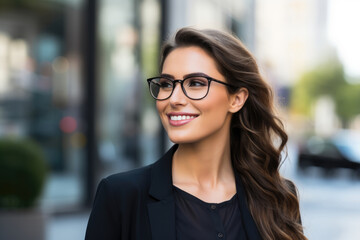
{"x": 186, "y": 60}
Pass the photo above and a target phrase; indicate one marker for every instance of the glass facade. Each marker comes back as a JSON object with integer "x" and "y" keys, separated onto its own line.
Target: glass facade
{"x": 40, "y": 90}
{"x": 43, "y": 89}
{"x": 126, "y": 121}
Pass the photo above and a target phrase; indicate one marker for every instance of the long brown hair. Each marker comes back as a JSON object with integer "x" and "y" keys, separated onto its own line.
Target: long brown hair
{"x": 257, "y": 135}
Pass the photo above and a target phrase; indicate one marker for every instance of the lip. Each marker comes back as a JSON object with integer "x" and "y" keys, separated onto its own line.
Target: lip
{"x": 188, "y": 118}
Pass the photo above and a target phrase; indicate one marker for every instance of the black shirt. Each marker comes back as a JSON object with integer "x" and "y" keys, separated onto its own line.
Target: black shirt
{"x": 196, "y": 219}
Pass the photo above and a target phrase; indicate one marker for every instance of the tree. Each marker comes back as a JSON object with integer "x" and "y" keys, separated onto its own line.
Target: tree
{"x": 327, "y": 79}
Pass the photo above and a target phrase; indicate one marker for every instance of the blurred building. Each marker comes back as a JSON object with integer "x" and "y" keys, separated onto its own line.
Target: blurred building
{"x": 41, "y": 88}
{"x": 290, "y": 37}
{"x": 235, "y": 16}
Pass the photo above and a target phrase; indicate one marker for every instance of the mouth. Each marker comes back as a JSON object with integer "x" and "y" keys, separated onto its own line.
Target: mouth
{"x": 178, "y": 119}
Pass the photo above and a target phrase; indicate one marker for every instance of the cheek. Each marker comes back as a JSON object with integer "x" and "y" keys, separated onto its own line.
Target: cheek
{"x": 160, "y": 106}
{"x": 216, "y": 115}
{"x": 216, "y": 112}
{"x": 217, "y": 106}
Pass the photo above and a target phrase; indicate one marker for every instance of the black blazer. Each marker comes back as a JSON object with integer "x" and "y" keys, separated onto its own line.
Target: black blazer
{"x": 139, "y": 204}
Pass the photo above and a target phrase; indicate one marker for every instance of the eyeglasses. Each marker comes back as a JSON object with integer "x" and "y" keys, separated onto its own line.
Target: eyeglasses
{"x": 195, "y": 87}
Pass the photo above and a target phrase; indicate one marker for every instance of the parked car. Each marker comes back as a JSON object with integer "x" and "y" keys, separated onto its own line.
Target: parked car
{"x": 342, "y": 150}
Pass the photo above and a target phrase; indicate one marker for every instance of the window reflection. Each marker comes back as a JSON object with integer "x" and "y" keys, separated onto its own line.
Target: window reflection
{"x": 40, "y": 92}
{"x": 42, "y": 89}
{"x": 128, "y": 53}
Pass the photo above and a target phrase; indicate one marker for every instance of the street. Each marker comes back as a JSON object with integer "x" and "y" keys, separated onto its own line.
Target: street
{"x": 330, "y": 206}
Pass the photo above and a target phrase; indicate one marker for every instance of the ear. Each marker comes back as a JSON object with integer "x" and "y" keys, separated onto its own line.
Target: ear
{"x": 238, "y": 99}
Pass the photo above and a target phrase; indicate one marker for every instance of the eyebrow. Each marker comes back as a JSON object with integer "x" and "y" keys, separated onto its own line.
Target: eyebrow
{"x": 195, "y": 74}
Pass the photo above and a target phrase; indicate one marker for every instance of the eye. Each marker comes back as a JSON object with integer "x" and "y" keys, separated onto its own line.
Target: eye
{"x": 164, "y": 83}
{"x": 196, "y": 82}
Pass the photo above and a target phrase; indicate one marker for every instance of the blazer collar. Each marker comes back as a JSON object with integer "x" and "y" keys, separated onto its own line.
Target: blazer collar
{"x": 161, "y": 185}
{"x": 162, "y": 212}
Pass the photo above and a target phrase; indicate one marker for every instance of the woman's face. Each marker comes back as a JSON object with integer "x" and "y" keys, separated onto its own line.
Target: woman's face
{"x": 190, "y": 121}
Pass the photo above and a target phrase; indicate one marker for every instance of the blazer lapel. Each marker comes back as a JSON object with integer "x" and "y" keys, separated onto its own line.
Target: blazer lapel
{"x": 248, "y": 221}
{"x": 162, "y": 212}
{"x": 162, "y": 220}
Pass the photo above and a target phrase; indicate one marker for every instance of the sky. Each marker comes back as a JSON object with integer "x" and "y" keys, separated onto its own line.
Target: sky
{"x": 344, "y": 33}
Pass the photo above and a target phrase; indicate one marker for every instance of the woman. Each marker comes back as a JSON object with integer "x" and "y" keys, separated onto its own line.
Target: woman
{"x": 220, "y": 180}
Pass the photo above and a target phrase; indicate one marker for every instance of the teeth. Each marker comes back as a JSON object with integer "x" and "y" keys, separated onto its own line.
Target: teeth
{"x": 183, "y": 117}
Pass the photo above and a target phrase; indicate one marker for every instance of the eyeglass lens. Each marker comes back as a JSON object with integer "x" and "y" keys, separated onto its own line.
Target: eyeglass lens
{"x": 193, "y": 87}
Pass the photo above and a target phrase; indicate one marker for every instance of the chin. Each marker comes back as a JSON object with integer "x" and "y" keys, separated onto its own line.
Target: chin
{"x": 179, "y": 140}
{"x": 182, "y": 139}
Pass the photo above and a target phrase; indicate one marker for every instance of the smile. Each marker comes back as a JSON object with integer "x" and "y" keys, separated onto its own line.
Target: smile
{"x": 179, "y": 119}
{"x": 183, "y": 117}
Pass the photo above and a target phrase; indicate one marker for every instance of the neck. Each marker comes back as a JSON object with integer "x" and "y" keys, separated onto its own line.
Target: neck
{"x": 205, "y": 164}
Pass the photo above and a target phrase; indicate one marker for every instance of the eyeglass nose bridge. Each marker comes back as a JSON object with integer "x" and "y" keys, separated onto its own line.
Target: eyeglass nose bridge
{"x": 181, "y": 86}
{"x": 178, "y": 81}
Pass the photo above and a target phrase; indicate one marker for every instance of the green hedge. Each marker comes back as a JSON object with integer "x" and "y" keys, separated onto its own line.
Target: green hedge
{"x": 22, "y": 173}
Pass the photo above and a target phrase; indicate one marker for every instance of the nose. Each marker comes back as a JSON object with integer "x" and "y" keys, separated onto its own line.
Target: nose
{"x": 178, "y": 96}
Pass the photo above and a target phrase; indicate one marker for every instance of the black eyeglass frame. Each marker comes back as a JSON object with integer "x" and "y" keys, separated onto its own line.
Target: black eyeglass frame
{"x": 174, "y": 81}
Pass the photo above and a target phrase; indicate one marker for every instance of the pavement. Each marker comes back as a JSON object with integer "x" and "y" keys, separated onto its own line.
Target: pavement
{"x": 330, "y": 206}
{"x": 68, "y": 226}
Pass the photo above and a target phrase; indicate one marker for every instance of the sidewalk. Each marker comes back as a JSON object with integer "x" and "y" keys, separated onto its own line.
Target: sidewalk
{"x": 69, "y": 227}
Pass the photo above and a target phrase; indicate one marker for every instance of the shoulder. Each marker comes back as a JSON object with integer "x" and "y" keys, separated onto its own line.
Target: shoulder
{"x": 119, "y": 192}
{"x": 119, "y": 199}
{"x": 135, "y": 183}
{"x": 123, "y": 182}
{"x": 160, "y": 170}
